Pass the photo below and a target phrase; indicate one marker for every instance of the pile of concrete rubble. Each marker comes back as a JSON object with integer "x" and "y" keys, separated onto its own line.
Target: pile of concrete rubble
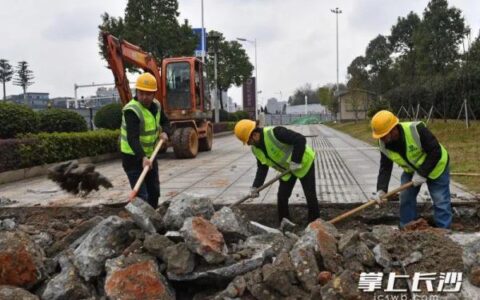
{"x": 200, "y": 253}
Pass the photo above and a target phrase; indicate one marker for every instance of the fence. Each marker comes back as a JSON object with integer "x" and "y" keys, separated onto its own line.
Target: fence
{"x": 292, "y": 118}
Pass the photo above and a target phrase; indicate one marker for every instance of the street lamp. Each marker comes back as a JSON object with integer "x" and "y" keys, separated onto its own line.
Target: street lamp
{"x": 337, "y": 11}
{"x": 254, "y": 42}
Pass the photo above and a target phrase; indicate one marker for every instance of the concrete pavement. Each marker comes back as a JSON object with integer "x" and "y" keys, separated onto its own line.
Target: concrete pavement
{"x": 346, "y": 170}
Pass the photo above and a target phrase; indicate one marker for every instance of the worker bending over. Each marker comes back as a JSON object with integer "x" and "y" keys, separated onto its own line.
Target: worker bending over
{"x": 281, "y": 149}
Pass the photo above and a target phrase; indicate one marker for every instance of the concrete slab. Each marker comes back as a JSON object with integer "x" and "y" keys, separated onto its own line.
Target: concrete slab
{"x": 346, "y": 172}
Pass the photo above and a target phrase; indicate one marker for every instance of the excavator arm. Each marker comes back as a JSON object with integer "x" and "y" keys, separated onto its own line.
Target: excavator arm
{"x": 118, "y": 52}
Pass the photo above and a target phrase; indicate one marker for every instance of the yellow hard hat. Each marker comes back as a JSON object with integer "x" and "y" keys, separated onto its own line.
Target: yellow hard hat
{"x": 243, "y": 129}
{"x": 382, "y": 123}
{"x": 146, "y": 82}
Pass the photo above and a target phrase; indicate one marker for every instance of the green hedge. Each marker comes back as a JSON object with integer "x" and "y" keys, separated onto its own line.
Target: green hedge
{"x": 223, "y": 126}
{"x": 60, "y": 120}
{"x": 44, "y": 148}
{"x": 109, "y": 116}
{"x": 16, "y": 119}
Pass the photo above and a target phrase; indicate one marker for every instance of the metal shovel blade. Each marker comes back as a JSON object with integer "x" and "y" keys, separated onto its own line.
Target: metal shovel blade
{"x": 141, "y": 213}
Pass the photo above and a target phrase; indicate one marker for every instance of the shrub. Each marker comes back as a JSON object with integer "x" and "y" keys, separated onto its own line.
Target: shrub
{"x": 242, "y": 115}
{"x": 109, "y": 116}
{"x": 16, "y": 119}
{"x": 60, "y": 120}
{"x": 377, "y": 106}
{"x": 36, "y": 149}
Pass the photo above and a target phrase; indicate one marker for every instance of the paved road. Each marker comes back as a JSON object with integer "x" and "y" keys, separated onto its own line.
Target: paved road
{"x": 346, "y": 173}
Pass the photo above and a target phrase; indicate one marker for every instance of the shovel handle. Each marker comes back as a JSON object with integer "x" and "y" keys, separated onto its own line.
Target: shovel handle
{"x": 370, "y": 203}
{"x": 269, "y": 183}
{"x": 136, "y": 188}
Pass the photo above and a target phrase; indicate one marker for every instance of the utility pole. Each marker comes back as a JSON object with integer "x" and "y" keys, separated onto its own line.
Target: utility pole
{"x": 215, "y": 38}
{"x": 337, "y": 11}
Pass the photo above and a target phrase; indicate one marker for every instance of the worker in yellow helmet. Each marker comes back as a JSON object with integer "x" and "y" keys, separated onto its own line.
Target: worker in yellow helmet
{"x": 143, "y": 123}
{"x": 423, "y": 159}
{"x": 281, "y": 149}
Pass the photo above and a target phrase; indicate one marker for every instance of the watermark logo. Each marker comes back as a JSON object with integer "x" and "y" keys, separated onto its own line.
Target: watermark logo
{"x": 448, "y": 282}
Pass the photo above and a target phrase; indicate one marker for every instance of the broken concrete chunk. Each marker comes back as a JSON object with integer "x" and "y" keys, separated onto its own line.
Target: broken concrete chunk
{"x": 43, "y": 239}
{"x": 108, "y": 239}
{"x": 258, "y": 228}
{"x": 235, "y": 289}
{"x": 360, "y": 253}
{"x": 325, "y": 226}
{"x": 7, "y": 224}
{"x": 75, "y": 234}
{"x": 156, "y": 244}
{"x": 344, "y": 286}
{"x": 21, "y": 261}
{"x": 303, "y": 259}
{"x": 349, "y": 238}
{"x": 280, "y": 276}
{"x": 270, "y": 242}
{"x": 258, "y": 288}
{"x": 136, "y": 277}
{"x": 174, "y": 236}
{"x": 369, "y": 239}
{"x": 179, "y": 259}
{"x": 203, "y": 238}
{"x": 287, "y": 225}
{"x": 231, "y": 224}
{"x": 186, "y": 207}
{"x": 13, "y": 292}
{"x": 325, "y": 244}
{"x": 383, "y": 232}
{"x": 382, "y": 257}
{"x": 67, "y": 284}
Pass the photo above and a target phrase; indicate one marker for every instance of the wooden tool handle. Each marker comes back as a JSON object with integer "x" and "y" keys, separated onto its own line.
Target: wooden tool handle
{"x": 136, "y": 188}
{"x": 370, "y": 203}
{"x": 270, "y": 182}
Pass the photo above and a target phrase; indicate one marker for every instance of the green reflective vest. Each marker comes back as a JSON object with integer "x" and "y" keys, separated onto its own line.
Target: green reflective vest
{"x": 414, "y": 152}
{"x": 279, "y": 155}
{"x": 149, "y": 127}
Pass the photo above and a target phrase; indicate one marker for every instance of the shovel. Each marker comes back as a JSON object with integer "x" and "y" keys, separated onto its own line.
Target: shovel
{"x": 141, "y": 212}
{"x": 269, "y": 183}
{"x": 370, "y": 203}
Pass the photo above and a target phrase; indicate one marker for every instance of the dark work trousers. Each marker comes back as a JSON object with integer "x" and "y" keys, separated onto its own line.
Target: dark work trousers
{"x": 150, "y": 188}
{"x": 285, "y": 191}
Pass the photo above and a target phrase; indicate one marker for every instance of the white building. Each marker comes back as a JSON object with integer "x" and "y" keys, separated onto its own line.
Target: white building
{"x": 276, "y": 107}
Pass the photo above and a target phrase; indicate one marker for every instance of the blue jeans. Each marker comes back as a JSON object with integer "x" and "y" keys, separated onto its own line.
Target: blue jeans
{"x": 439, "y": 191}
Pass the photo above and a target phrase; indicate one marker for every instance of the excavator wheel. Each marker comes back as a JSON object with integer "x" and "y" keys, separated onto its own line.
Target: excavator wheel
{"x": 205, "y": 144}
{"x": 185, "y": 142}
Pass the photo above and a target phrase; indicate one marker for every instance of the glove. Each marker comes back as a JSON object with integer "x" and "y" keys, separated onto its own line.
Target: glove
{"x": 164, "y": 137}
{"x": 378, "y": 197}
{"x": 254, "y": 193}
{"x": 295, "y": 166}
{"x": 418, "y": 179}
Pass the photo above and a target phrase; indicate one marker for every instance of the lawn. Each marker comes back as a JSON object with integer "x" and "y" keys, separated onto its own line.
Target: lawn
{"x": 462, "y": 144}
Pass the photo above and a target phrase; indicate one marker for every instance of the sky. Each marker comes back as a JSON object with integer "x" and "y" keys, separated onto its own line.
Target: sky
{"x": 296, "y": 40}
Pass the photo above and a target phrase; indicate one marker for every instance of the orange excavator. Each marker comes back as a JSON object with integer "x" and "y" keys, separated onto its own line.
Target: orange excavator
{"x": 182, "y": 91}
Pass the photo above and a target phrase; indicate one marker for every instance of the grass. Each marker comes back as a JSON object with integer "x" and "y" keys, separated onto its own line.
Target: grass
{"x": 462, "y": 144}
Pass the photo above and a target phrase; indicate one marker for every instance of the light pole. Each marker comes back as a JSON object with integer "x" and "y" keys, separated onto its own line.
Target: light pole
{"x": 337, "y": 11}
{"x": 254, "y": 42}
{"x": 203, "y": 38}
{"x": 215, "y": 37}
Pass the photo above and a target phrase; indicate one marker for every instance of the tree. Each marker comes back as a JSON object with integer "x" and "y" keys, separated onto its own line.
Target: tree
{"x": 23, "y": 78}
{"x": 377, "y": 58}
{"x": 437, "y": 41}
{"x": 153, "y": 26}
{"x": 233, "y": 65}
{"x": 6, "y": 73}
{"x": 298, "y": 97}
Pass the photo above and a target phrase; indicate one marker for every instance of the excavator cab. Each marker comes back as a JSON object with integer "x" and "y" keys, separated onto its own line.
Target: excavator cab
{"x": 184, "y": 88}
